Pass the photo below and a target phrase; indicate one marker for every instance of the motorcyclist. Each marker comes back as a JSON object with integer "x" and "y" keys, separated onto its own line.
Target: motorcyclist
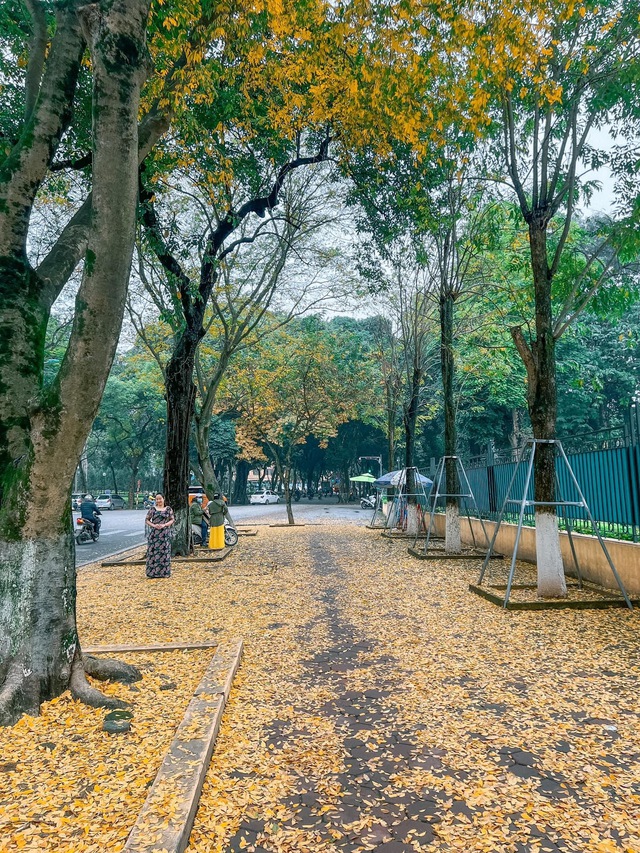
{"x": 90, "y": 512}
{"x": 198, "y": 517}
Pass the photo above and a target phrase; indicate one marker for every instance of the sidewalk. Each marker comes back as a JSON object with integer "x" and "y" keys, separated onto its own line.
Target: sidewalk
{"x": 379, "y": 705}
{"x": 387, "y": 708}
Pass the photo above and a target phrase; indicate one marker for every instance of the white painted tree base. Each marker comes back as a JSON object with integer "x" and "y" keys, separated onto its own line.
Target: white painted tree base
{"x": 413, "y": 520}
{"x": 452, "y": 544}
{"x": 551, "y": 580}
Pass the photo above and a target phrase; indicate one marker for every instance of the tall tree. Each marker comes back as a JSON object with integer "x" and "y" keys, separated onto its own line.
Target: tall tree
{"x": 297, "y": 386}
{"x": 572, "y": 83}
{"x": 192, "y": 298}
{"x": 43, "y": 428}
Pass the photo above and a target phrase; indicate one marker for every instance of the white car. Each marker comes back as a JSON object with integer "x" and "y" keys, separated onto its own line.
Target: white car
{"x": 110, "y": 502}
{"x": 265, "y": 497}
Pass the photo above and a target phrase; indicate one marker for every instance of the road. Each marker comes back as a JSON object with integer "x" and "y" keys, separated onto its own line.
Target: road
{"x": 121, "y": 528}
{"x": 124, "y": 528}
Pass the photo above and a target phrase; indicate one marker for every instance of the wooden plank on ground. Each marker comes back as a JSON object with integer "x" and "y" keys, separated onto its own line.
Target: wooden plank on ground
{"x": 154, "y": 647}
{"x": 167, "y": 816}
{"x": 211, "y": 557}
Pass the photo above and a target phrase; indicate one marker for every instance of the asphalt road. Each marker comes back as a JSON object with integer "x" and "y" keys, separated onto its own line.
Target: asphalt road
{"x": 121, "y": 528}
{"x": 124, "y": 528}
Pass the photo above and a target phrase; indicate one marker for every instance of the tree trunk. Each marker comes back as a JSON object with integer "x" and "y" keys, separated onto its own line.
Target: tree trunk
{"x": 240, "y": 486}
{"x": 181, "y": 395}
{"x": 208, "y": 478}
{"x": 542, "y": 404}
{"x": 410, "y": 420}
{"x": 287, "y": 497}
{"x": 391, "y": 427}
{"x": 132, "y": 488}
{"x": 452, "y": 522}
{"x": 43, "y": 430}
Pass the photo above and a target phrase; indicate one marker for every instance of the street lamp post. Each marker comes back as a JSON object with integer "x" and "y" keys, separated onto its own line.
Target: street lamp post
{"x": 378, "y": 459}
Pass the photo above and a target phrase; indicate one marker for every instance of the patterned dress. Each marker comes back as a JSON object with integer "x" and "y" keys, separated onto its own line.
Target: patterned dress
{"x": 159, "y": 543}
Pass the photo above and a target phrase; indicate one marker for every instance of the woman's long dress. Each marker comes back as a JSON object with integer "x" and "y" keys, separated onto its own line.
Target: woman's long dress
{"x": 159, "y": 543}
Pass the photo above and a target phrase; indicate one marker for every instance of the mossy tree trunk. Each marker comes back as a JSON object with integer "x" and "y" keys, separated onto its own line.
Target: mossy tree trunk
{"x": 181, "y": 395}
{"x": 43, "y": 430}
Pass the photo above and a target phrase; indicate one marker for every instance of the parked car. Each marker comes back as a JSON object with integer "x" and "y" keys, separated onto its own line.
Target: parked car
{"x": 110, "y": 502}
{"x": 76, "y": 500}
{"x": 266, "y": 496}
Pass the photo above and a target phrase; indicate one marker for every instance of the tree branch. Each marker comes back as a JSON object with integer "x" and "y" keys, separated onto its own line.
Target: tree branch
{"x": 528, "y": 356}
{"x": 38, "y": 42}
{"x": 76, "y": 164}
{"x": 171, "y": 264}
{"x": 511, "y": 157}
{"x": 27, "y": 165}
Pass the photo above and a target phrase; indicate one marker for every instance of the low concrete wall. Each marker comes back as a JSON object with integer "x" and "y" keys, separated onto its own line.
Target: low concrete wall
{"x": 593, "y": 563}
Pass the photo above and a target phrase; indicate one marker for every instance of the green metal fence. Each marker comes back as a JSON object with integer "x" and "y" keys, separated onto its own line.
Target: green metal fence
{"x": 607, "y": 467}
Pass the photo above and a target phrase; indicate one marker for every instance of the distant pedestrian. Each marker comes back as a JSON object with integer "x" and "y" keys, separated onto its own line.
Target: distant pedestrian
{"x": 159, "y": 521}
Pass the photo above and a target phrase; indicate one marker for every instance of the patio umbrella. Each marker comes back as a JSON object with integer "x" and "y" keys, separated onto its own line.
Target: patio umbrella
{"x": 363, "y": 478}
{"x": 393, "y": 478}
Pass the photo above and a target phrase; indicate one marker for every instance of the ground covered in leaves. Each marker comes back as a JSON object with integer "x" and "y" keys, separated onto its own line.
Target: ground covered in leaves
{"x": 379, "y": 705}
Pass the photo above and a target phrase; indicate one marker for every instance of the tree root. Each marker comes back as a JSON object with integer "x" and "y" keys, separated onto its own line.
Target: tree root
{"x": 109, "y": 669}
{"x": 16, "y": 696}
{"x": 84, "y": 692}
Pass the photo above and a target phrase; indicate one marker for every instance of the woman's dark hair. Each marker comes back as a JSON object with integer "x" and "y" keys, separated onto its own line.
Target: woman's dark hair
{"x": 216, "y": 496}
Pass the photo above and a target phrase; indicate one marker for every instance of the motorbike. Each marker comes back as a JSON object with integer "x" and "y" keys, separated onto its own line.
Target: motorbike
{"x": 86, "y": 531}
{"x": 368, "y": 503}
{"x": 230, "y": 534}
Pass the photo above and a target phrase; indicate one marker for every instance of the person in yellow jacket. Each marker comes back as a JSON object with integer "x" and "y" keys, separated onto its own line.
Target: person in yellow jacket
{"x": 217, "y": 509}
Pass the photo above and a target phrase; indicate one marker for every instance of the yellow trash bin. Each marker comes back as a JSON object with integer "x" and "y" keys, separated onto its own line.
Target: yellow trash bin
{"x": 216, "y": 538}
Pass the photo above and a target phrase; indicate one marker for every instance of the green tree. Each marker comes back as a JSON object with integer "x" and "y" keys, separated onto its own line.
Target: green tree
{"x": 575, "y": 81}
{"x": 129, "y": 427}
{"x": 295, "y": 388}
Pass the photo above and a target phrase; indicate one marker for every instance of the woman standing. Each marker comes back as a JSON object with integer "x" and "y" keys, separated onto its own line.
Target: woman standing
{"x": 159, "y": 521}
{"x": 217, "y": 510}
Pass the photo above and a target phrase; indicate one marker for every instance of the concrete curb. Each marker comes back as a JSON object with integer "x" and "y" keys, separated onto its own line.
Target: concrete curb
{"x": 167, "y": 816}
{"x": 119, "y": 553}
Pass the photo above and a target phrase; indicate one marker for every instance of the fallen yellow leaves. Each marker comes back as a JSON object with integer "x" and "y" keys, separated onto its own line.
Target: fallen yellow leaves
{"x": 469, "y": 684}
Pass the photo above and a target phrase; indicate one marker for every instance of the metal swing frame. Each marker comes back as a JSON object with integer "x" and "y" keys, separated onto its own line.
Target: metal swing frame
{"x": 402, "y": 482}
{"x": 377, "y": 510}
{"x": 435, "y": 494}
{"x": 523, "y": 503}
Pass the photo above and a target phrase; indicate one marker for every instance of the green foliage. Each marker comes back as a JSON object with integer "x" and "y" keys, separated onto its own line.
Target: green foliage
{"x": 128, "y": 433}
